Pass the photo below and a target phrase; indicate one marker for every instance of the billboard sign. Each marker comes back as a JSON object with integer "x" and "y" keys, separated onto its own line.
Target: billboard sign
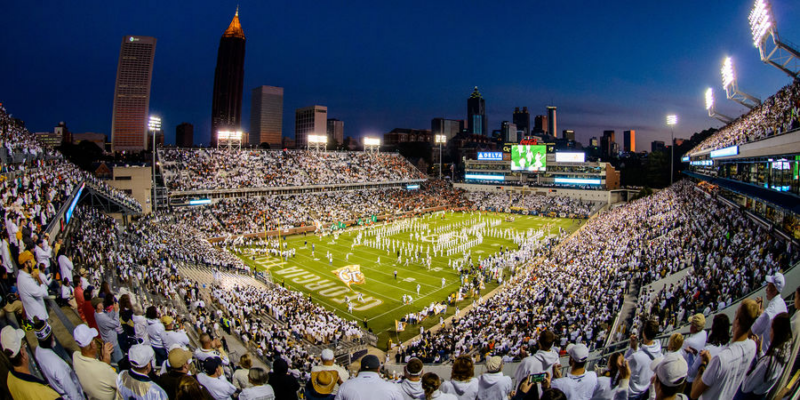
{"x": 529, "y": 158}
{"x": 490, "y": 156}
{"x": 571, "y": 157}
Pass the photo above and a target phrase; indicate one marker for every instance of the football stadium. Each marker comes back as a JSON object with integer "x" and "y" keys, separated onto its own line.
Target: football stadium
{"x": 449, "y": 264}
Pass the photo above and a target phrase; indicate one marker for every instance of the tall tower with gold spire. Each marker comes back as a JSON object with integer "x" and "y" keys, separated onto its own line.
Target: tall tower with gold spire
{"x": 226, "y": 106}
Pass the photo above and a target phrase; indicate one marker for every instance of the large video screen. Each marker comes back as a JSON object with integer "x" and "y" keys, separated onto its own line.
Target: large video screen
{"x": 529, "y": 157}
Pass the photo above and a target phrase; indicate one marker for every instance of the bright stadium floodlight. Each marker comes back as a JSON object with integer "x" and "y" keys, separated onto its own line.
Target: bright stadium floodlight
{"x": 712, "y": 112}
{"x": 440, "y": 140}
{"x": 231, "y": 138}
{"x": 372, "y": 144}
{"x": 732, "y": 92}
{"x": 154, "y": 123}
{"x": 317, "y": 142}
{"x": 773, "y": 52}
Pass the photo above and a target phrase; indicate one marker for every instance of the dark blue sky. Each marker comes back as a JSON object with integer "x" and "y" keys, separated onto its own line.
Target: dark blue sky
{"x": 381, "y": 65}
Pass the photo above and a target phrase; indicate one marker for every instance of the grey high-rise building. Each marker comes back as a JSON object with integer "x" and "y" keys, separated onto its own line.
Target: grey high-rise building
{"x": 476, "y": 114}
{"x": 552, "y": 126}
{"x": 184, "y": 135}
{"x": 540, "y": 124}
{"x": 226, "y": 106}
{"x": 309, "y": 121}
{"x": 335, "y": 131}
{"x": 509, "y": 132}
{"x": 522, "y": 119}
{"x": 448, "y": 127}
{"x": 266, "y": 116}
{"x": 132, "y": 93}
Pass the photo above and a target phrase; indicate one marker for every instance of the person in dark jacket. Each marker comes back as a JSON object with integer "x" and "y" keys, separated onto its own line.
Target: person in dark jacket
{"x": 284, "y": 385}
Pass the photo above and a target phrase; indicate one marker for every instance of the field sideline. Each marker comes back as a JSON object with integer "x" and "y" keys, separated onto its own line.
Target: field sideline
{"x": 382, "y": 293}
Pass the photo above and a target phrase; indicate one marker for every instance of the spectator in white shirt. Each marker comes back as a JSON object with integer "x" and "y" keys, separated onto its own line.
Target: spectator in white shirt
{"x": 62, "y": 377}
{"x": 696, "y": 340}
{"x": 720, "y": 377}
{"x": 258, "y": 390}
{"x": 431, "y": 384}
{"x": 213, "y": 379}
{"x": 32, "y": 286}
{"x": 775, "y": 306}
{"x": 640, "y": 358}
{"x": 768, "y": 369}
{"x": 579, "y": 384}
{"x": 493, "y": 385}
{"x": 669, "y": 377}
{"x": 462, "y": 381}
{"x": 368, "y": 384}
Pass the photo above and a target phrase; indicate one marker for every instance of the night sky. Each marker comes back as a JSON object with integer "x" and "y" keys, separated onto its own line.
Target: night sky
{"x": 383, "y": 65}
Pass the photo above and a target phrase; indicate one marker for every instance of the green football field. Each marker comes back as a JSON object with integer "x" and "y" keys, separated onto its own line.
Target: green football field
{"x": 383, "y": 293}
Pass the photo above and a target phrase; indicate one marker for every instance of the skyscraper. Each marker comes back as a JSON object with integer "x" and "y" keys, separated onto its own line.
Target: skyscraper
{"x": 184, "y": 135}
{"x": 629, "y": 139}
{"x": 522, "y": 119}
{"x": 335, "y": 131}
{"x": 448, "y": 127}
{"x": 568, "y": 134}
{"x": 509, "y": 132}
{"x": 309, "y": 121}
{"x": 266, "y": 116}
{"x": 226, "y": 105}
{"x": 132, "y": 93}
{"x": 540, "y": 124}
{"x": 552, "y": 126}
{"x": 606, "y": 143}
{"x": 476, "y": 114}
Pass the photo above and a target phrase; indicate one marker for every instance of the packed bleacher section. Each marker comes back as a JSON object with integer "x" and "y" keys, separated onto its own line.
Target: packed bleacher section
{"x": 728, "y": 256}
{"x": 578, "y": 288}
{"x": 775, "y": 116}
{"x": 250, "y": 215}
{"x": 532, "y": 203}
{"x": 213, "y": 169}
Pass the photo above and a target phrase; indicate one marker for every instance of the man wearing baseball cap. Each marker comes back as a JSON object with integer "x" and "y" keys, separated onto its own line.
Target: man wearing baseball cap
{"x": 32, "y": 285}
{"x": 775, "y": 306}
{"x": 214, "y": 380}
{"x": 61, "y": 376}
{"x": 136, "y": 384}
{"x": 328, "y": 365}
{"x": 21, "y": 383}
{"x": 696, "y": 340}
{"x": 368, "y": 384}
{"x": 669, "y": 377}
{"x": 578, "y": 384}
{"x": 98, "y": 379}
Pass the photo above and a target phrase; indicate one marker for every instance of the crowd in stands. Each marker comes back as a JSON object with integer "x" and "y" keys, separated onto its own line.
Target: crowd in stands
{"x": 249, "y": 215}
{"x": 775, "y": 116}
{"x": 209, "y": 169}
{"x": 531, "y": 203}
{"x": 728, "y": 256}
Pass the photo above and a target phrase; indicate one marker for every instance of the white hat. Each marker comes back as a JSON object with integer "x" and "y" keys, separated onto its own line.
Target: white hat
{"x": 578, "y": 352}
{"x": 84, "y": 335}
{"x": 671, "y": 369}
{"x": 11, "y": 339}
{"x": 778, "y": 280}
{"x": 327, "y": 354}
{"x": 494, "y": 364}
{"x": 140, "y": 355}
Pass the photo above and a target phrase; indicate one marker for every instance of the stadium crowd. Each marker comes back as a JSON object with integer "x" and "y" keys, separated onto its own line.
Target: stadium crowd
{"x": 209, "y": 169}
{"x": 775, "y": 116}
{"x": 531, "y": 203}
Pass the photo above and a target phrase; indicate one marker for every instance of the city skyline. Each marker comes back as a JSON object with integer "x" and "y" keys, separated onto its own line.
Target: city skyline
{"x": 373, "y": 82}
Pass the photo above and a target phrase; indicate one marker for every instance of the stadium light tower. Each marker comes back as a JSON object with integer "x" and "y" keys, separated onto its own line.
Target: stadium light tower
{"x": 440, "y": 139}
{"x": 317, "y": 141}
{"x": 672, "y": 120}
{"x": 712, "y": 112}
{"x": 154, "y": 125}
{"x": 774, "y": 52}
{"x": 732, "y": 88}
{"x": 372, "y": 145}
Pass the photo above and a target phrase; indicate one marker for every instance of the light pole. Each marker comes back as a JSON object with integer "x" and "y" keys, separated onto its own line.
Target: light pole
{"x": 672, "y": 119}
{"x": 154, "y": 126}
{"x": 440, "y": 139}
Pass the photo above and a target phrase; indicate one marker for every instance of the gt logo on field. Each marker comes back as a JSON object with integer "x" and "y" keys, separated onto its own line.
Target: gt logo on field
{"x": 350, "y": 274}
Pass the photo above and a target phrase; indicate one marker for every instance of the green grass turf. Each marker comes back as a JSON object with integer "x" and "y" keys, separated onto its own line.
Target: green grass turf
{"x": 306, "y": 273}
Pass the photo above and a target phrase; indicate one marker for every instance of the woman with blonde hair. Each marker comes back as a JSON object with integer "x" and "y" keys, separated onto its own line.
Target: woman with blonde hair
{"x": 462, "y": 381}
{"x": 431, "y": 384}
{"x": 240, "y": 377}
